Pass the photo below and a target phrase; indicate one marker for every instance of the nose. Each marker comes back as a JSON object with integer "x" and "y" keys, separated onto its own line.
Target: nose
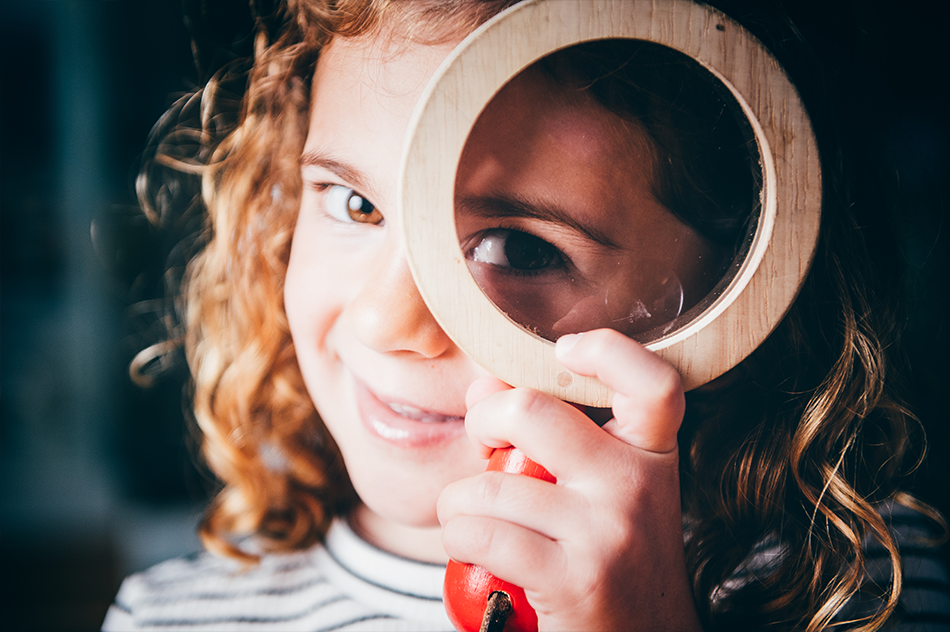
{"x": 388, "y": 314}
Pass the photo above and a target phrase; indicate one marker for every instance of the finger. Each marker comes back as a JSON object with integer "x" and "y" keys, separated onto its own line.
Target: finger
{"x": 550, "y": 432}
{"x": 649, "y": 402}
{"x": 477, "y": 391}
{"x": 482, "y": 388}
{"x": 508, "y": 551}
{"x": 540, "y": 506}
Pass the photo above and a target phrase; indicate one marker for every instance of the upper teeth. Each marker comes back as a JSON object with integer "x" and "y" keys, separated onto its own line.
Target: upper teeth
{"x": 417, "y": 414}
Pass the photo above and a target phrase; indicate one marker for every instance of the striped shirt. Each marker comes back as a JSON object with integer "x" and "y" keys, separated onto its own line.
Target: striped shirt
{"x": 348, "y": 585}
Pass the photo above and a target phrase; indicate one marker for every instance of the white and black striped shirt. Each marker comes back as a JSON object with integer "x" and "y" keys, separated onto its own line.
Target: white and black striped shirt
{"x": 348, "y": 584}
{"x": 345, "y": 585}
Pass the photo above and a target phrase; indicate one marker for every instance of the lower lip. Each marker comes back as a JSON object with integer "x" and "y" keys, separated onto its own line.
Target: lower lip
{"x": 395, "y": 429}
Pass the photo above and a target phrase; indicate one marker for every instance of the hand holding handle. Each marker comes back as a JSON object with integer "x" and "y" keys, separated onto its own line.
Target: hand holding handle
{"x": 468, "y": 587}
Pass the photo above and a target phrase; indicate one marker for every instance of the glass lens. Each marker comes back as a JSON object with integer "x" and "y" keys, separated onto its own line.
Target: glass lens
{"x": 611, "y": 184}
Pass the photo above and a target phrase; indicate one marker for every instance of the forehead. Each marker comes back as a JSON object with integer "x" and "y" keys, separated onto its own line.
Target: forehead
{"x": 559, "y": 113}
{"x": 364, "y": 91}
{"x": 377, "y": 71}
{"x": 547, "y": 140}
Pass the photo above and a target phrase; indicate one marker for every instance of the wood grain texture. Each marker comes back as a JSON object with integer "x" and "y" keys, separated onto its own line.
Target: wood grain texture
{"x": 771, "y": 274}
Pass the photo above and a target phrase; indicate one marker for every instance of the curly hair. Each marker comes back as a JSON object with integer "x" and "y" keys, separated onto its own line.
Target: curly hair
{"x": 799, "y": 444}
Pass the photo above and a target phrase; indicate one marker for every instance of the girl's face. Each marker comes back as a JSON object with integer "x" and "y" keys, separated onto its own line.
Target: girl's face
{"x": 387, "y": 381}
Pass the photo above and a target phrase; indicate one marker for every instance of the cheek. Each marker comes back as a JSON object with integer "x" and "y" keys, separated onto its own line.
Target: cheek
{"x": 311, "y": 297}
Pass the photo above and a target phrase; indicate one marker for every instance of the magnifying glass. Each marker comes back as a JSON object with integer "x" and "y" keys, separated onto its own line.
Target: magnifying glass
{"x": 725, "y": 325}
{"x": 642, "y": 166}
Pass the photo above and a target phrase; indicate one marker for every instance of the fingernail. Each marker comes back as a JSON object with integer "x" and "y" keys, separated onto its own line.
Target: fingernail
{"x": 565, "y": 343}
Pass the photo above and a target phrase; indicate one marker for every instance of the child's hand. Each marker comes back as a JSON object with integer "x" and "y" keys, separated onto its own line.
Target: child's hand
{"x": 602, "y": 549}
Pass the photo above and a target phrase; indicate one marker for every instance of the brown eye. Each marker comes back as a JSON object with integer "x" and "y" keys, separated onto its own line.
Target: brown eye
{"x": 348, "y": 206}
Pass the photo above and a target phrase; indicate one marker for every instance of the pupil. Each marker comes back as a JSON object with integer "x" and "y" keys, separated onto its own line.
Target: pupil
{"x": 360, "y": 205}
{"x": 527, "y": 252}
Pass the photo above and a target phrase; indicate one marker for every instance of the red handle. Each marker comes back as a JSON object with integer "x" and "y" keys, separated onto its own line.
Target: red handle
{"x": 468, "y": 587}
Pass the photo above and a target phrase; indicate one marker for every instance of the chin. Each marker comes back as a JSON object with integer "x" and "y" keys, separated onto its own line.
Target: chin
{"x": 404, "y": 497}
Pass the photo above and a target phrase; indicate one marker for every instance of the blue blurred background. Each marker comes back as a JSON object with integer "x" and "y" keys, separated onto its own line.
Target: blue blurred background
{"x": 96, "y": 478}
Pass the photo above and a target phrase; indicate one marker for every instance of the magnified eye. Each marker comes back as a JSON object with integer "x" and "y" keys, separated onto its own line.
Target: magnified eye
{"x": 346, "y": 205}
{"x": 516, "y": 250}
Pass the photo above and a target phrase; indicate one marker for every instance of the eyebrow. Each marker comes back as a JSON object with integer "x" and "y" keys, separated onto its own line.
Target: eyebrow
{"x": 346, "y": 172}
{"x": 492, "y": 207}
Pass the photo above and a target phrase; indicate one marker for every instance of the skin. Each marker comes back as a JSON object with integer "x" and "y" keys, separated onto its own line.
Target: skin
{"x": 602, "y": 549}
{"x": 541, "y": 151}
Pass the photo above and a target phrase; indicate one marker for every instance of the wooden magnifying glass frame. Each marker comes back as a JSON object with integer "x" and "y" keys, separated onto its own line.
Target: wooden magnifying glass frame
{"x": 771, "y": 273}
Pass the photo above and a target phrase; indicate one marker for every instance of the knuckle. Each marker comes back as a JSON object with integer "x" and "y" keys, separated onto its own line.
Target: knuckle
{"x": 488, "y": 487}
{"x": 481, "y": 541}
{"x": 588, "y": 582}
{"x": 600, "y": 341}
{"x": 668, "y": 388}
{"x": 668, "y": 382}
{"x": 624, "y": 536}
{"x": 468, "y": 539}
{"x": 526, "y": 401}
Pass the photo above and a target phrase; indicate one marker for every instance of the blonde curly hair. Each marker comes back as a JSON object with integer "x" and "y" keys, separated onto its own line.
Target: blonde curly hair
{"x": 800, "y": 444}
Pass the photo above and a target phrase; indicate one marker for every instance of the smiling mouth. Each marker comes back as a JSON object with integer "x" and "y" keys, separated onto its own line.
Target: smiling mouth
{"x": 417, "y": 414}
{"x": 406, "y": 426}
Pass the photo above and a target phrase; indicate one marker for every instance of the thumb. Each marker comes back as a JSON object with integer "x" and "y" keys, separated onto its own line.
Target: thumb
{"x": 649, "y": 401}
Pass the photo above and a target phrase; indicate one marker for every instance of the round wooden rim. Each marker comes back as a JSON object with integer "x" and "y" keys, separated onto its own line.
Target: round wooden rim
{"x": 758, "y": 297}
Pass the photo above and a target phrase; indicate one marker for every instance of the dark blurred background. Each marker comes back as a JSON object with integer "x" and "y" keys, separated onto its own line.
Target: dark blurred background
{"x": 96, "y": 479}
{"x": 95, "y": 475}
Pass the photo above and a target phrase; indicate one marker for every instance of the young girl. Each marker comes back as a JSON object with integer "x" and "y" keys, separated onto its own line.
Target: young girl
{"x": 349, "y": 432}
